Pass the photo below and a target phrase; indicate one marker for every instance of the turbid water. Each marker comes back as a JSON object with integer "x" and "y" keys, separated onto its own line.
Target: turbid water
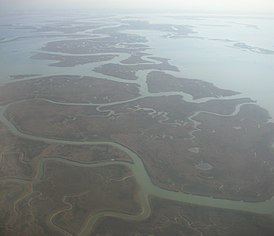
{"x": 147, "y": 188}
{"x": 209, "y": 53}
{"x": 236, "y": 70}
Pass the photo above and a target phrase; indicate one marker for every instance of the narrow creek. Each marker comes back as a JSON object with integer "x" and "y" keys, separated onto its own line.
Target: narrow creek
{"x": 147, "y": 188}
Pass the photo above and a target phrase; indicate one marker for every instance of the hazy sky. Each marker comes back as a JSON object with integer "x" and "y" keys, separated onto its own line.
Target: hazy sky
{"x": 194, "y": 5}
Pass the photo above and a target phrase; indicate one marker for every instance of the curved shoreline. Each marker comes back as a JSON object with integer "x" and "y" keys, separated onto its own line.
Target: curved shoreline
{"x": 147, "y": 188}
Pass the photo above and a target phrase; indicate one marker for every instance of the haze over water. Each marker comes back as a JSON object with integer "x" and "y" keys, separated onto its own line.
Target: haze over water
{"x": 108, "y": 117}
{"x": 232, "y": 51}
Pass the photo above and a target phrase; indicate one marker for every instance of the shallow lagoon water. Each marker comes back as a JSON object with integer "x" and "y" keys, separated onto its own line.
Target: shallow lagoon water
{"x": 200, "y": 57}
{"x": 205, "y": 59}
{"x": 217, "y": 61}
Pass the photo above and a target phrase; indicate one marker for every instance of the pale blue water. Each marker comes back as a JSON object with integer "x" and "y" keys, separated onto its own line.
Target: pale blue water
{"x": 216, "y": 61}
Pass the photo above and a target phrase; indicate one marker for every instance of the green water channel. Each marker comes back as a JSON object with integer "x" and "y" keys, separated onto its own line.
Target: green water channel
{"x": 147, "y": 188}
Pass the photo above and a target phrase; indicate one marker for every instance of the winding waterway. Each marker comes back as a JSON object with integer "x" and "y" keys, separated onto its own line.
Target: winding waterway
{"x": 147, "y": 188}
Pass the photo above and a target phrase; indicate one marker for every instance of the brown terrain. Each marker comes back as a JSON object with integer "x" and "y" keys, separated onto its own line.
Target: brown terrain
{"x": 215, "y": 144}
{"x": 69, "y": 61}
{"x": 128, "y": 72}
{"x": 46, "y": 200}
{"x": 69, "y": 89}
{"x": 171, "y": 218}
{"x": 160, "y": 131}
{"x": 162, "y": 82}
